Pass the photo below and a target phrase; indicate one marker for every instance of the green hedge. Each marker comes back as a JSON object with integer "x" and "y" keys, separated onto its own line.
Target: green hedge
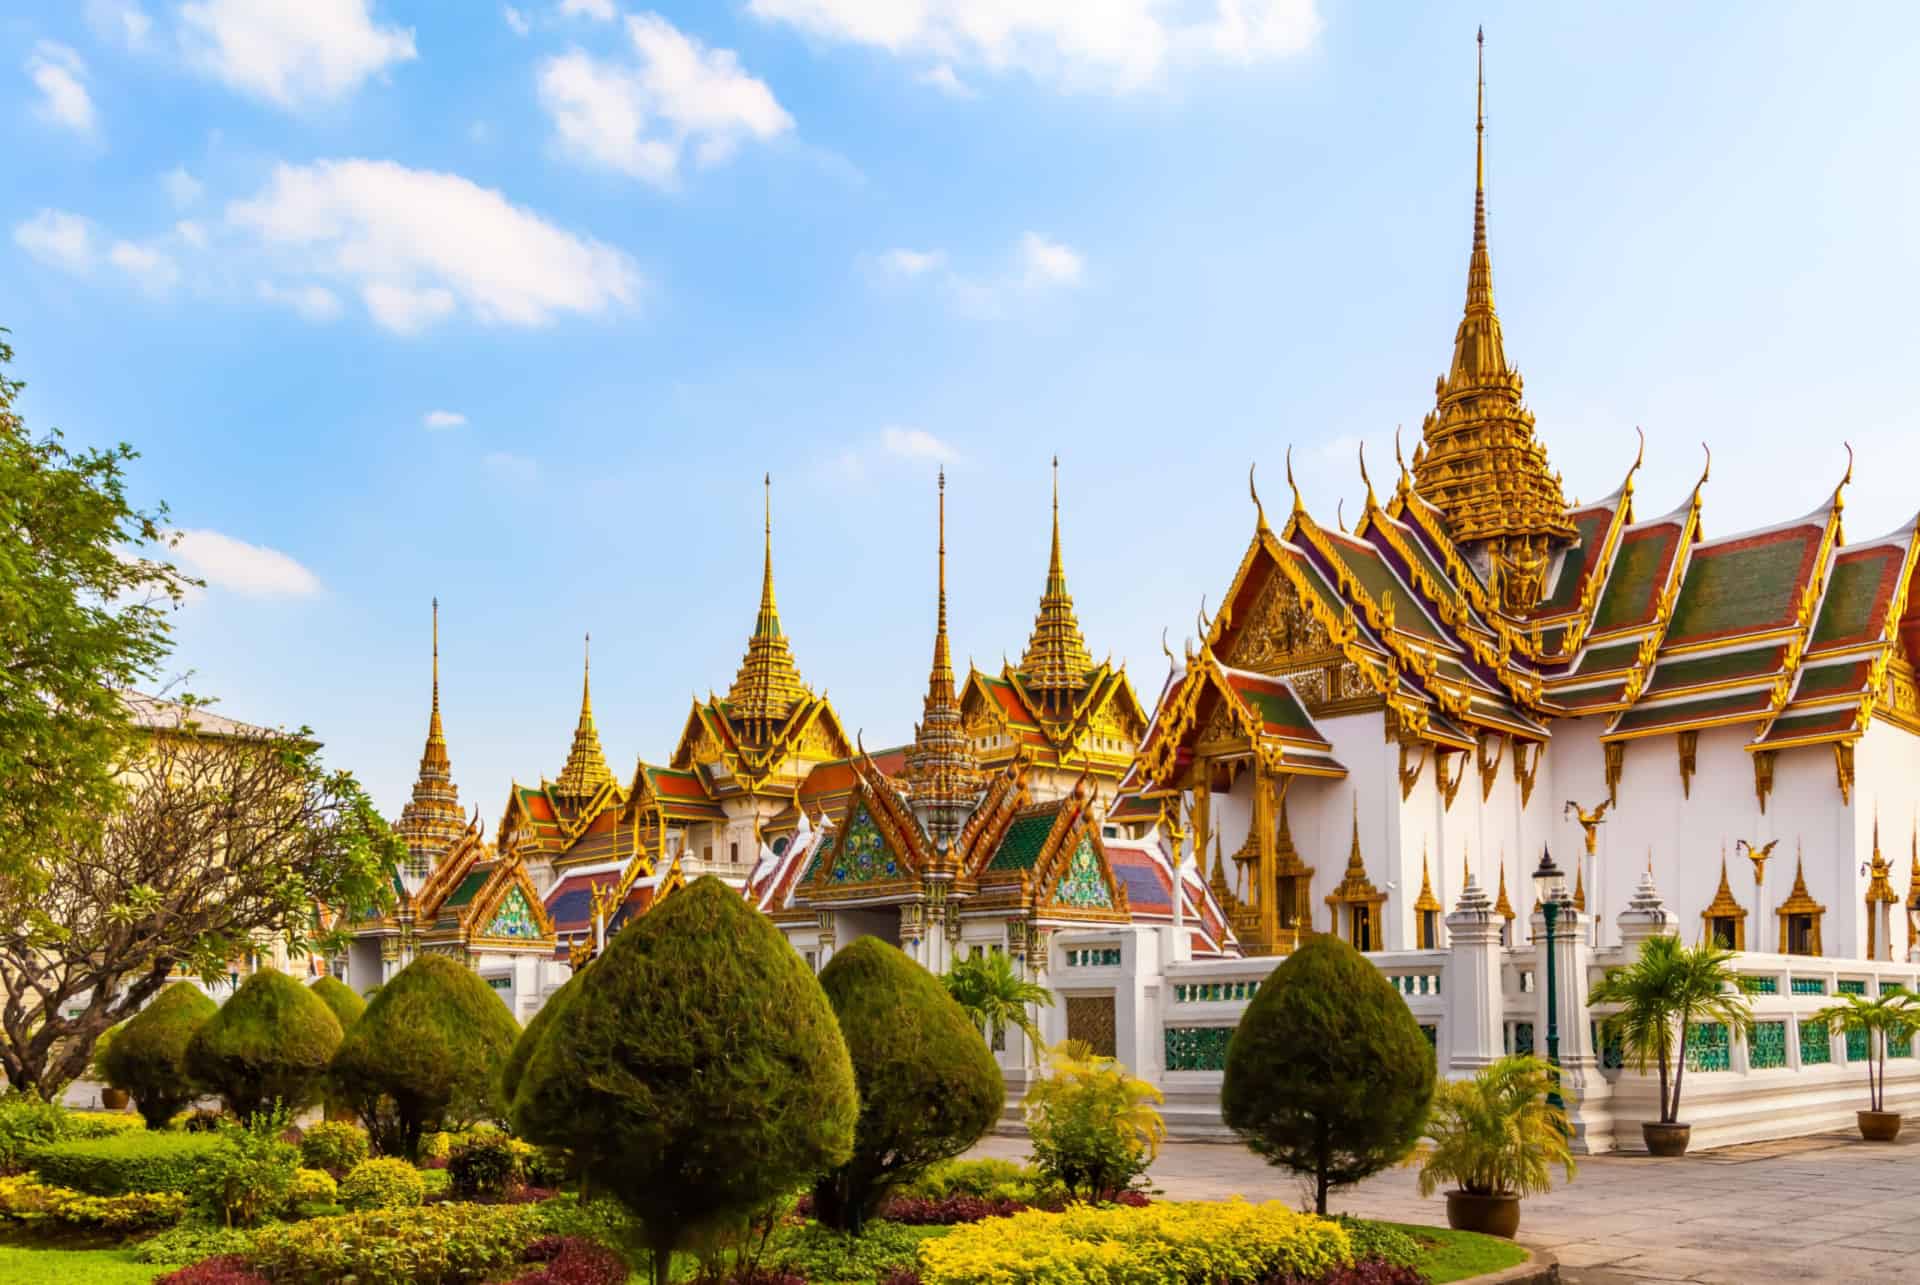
{"x": 131, "y": 1162}
{"x": 432, "y": 1245}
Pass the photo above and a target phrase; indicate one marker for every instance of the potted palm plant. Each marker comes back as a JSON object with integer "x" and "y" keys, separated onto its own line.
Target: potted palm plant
{"x": 1890, "y": 1016}
{"x": 995, "y": 997}
{"x": 1496, "y": 1137}
{"x": 1661, "y": 996}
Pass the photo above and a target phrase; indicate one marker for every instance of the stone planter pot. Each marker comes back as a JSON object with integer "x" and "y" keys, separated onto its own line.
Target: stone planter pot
{"x": 1666, "y": 1139}
{"x": 1489, "y": 1215}
{"x": 116, "y": 1100}
{"x": 1878, "y": 1126}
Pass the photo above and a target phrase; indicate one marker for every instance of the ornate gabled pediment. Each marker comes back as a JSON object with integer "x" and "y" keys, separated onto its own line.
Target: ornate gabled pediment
{"x": 1278, "y": 632}
{"x": 508, "y": 908}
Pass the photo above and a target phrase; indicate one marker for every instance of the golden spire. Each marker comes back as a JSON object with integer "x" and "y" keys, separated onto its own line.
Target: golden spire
{"x": 1579, "y": 883}
{"x": 586, "y": 770}
{"x": 1501, "y": 904}
{"x": 432, "y": 819}
{"x": 1426, "y": 900}
{"x": 942, "y": 771}
{"x": 1479, "y": 462}
{"x": 1057, "y": 660}
{"x": 768, "y": 685}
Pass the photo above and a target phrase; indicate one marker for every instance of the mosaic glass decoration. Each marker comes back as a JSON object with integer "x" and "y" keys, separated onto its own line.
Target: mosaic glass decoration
{"x": 1762, "y": 985}
{"x": 1082, "y": 885}
{"x": 1091, "y": 1018}
{"x": 1809, "y": 986}
{"x": 1891, "y": 988}
{"x": 514, "y": 918}
{"x": 1213, "y": 992}
{"x": 1613, "y": 1052}
{"x": 864, "y": 856}
{"x": 1520, "y": 1039}
{"x": 1901, "y": 1047}
{"x": 1769, "y": 1049}
{"x": 1856, "y": 1046}
{"x": 1197, "y": 1048}
{"x": 1094, "y": 957}
{"x": 1816, "y": 1046}
{"x": 1850, "y": 986}
{"x": 1708, "y": 1047}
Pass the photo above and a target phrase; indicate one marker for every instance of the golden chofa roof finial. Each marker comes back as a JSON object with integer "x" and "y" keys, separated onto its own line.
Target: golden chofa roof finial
{"x": 768, "y": 685}
{"x": 1057, "y": 662}
{"x": 1259, "y": 509}
{"x": 586, "y": 768}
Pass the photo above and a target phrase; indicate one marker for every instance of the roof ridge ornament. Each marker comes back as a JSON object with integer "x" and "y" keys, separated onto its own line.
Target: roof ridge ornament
{"x": 768, "y": 685}
{"x": 586, "y": 769}
{"x": 1259, "y": 509}
{"x": 432, "y": 819}
{"x": 1057, "y": 662}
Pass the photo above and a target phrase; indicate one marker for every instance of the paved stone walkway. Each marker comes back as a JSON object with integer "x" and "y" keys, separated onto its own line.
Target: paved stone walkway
{"x": 1828, "y": 1208}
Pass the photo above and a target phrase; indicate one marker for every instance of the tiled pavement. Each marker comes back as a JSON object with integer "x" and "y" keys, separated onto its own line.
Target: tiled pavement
{"x": 1828, "y": 1208}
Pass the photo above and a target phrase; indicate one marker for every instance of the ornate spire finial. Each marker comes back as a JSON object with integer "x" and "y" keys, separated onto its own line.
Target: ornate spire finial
{"x": 768, "y": 684}
{"x": 942, "y": 771}
{"x": 1259, "y": 509}
{"x": 434, "y": 732}
{"x": 1292, "y": 485}
{"x": 432, "y": 818}
{"x": 586, "y": 768}
{"x": 1057, "y": 661}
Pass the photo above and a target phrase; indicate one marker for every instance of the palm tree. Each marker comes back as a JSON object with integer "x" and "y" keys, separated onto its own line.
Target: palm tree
{"x": 995, "y": 997}
{"x": 1661, "y": 996}
{"x": 1497, "y": 1134}
{"x": 1885, "y": 1018}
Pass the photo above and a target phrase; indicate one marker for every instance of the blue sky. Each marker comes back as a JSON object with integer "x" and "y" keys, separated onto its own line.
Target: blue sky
{"x": 637, "y": 257}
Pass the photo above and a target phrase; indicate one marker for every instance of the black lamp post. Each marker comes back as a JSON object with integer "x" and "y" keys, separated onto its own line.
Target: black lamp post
{"x": 1552, "y": 883}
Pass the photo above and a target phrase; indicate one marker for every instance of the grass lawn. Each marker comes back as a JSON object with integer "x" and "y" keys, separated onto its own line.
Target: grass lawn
{"x": 1449, "y": 1255}
{"x": 23, "y": 1266}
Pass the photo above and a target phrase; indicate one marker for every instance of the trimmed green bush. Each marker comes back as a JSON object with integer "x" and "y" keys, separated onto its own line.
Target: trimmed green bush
{"x": 250, "y": 1174}
{"x": 312, "y": 1187}
{"x": 428, "y": 1051}
{"x": 190, "y": 1242}
{"x": 35, "y": 1204}
{"x": 334, "y": 1145}
{"x": 484, "y": 1165}
{"x": 516, "y": 1064}
{"x": 435, "y": 1245}
{"x": 385, "y": 1182}
{"x": 929, "y": 1087}
{"x": 148, "y": 1054}
{"x": 700, "y": 1072}
{"x": 341, "y": 999}
{"x": 139, "y": 1161}
{"x": 1328, "y": 1074}
{"x": 270, "y": 1043}
{"x": 26, "y": 1122}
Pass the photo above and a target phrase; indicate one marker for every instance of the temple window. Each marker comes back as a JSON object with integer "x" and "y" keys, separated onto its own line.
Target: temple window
{"x": 733, "y": 852}
{"x": 1800, "y": 917}
{"x": 1429, "y": 930}
{"x": 1726, "y": 919}
{"x": 1724, "y": 931}
{"x": 1360, "y": 927}
{"x": 1803, "y": 934}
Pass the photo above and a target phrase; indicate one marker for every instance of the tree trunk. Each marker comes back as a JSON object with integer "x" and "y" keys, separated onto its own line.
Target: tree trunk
{"x": 1679, "y": 1070}
{"x": 662, "y": 1266}
{"x": 1666, "y": 1055}
{"x": 1320, "y": 1191}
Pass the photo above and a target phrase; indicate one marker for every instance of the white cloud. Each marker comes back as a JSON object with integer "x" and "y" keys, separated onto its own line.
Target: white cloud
{"x": 251, "y": 570}
{"x": 443, "y": 419}
{"x": 191, "y": 232}
{"x": 911, "y": 263}
{"x": 516, "y": 20}
{"x": 1117, "y": 45}
{"x": 293, "y": 53}
{"x": 312, "y": 302}
{"x": 508, "y": 467}
{"x": 120, "y": 21}
{"x": 59, "y": 75}
{"x": 1050, "y": 263}
{"x": 598, "y": 10}
{"x": 638, "y": 118}
{"x": 154, "y": 270}
{"x": 182, "y": 187}
{"x": 943, "y": 78}
{"x": 916, "y": 444}
{"x": 420, "y": 245}
{"x": 58, "y": 238}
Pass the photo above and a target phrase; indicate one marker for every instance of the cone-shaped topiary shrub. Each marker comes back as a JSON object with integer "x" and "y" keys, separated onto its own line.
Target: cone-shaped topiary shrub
{"x": 340, "y": 997}
{"x": 698, "y": 1072}
{"x": 928, "y": 1086}
{"x": 1328, "y": 1073}
{"x": 148, "y": 1055}
{"x": 426, "y": 1053}
{"x": 516, "y": 1064}
{"x": 270, "y": 1042}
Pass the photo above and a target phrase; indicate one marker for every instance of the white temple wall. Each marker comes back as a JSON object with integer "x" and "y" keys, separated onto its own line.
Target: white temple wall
{"x": 1886, "y": 784}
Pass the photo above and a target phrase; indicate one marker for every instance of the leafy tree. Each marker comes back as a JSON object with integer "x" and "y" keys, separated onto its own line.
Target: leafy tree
{"x": 1094, "y": 1126}
{"x": 84, "y": 598}
{"x": 1497, "y": 1134}
{"x": 1661, "y": 996}
{"x": 699, "y": 1072}
{"x": 1328, "y": 1073}
{"x": 224, "y": 835}
{"x": 339, "y": 997}
{"x": 1887, "y": 1016}
{"x": 148, "y": 1055}
{"x": 929, "y": 1089}
{"x": 268, "y": 1045}
{"x": 995, "y": 997}
{"x": 427, "y": 1052}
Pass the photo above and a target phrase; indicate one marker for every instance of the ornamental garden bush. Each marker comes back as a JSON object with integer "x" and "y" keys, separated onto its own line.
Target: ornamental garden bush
{"x": 249, "y": 1174}
{"x": 929, "y": 1087}
{"x": 312, "y": 1187}
{"x": 385, "y": 1182}
{"x": 699, "y": 1072}
{"x": 270, "y": 1043}
{"x": 139, "y": 1161}
{"x": 27, "y": 1122}
{"x": 148, "y": 1055}
{"x": 340, "y": 999}
{"x": 335, "y": 1146}
{"x": 486, "y": 1164}
{"x": 430, "y": 1245}
{"x": 1327, "y": 1073}
{"x": 29, "y": 1203}
{"x": 1093, "y": 1126}
{"x": 427, "y": 1052}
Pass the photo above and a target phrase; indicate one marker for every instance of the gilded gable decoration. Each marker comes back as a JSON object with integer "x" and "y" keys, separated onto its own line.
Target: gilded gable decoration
{"x": 1725, "y": 919}
{"x": 1356, "y": 896}
{"x": 1800, "y": 916}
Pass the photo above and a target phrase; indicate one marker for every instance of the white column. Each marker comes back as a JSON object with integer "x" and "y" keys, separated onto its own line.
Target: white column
{"x": 1474, "y": 1002}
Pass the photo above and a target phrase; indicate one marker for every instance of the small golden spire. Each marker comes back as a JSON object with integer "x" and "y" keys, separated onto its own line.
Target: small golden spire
{"x": 768, "y": 684}
{"x": 942, "y": 771}
{"x": 1057, "y": 661}
{"x": 586, "y": 768}
{"x": 432, "y": 818}
{"x": 1426, "y": 900}
{"x": 1579, "y": 884}
{"x": 1501, "y": 904}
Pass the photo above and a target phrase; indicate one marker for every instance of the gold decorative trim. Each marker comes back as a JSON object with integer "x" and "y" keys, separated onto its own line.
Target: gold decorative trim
{"x": 1688, "y": 743}
{"x": 1448, "y": 789}
{"x": 1723, "y": 906}
{"x": 1525, "y": 771}
{"x": 1489, "y": 765}
{"x": 1410, "y": 777}
{"x": 1616, "y": 752}
{"x": 1763, "y": 777}
{"x": 1800, "y": 902}
{"x": 1843, "y": 769}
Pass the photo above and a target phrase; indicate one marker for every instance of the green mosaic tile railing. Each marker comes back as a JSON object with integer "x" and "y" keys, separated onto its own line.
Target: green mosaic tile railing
{"x": 1763, "y": 985}
{"x": 1856, "y": 1046}
{"x": 1197, "y": 1048}
{"x": 1709, "y": 1048}
{"x": 1213, "y": 992}
{"x": 1099, "y": 957}
{"x": 1809, "y": 986}
{"x": 1416, "y": 983}
{"x": 1520, "y": 1039}
{"x": 1891, "y": 988}
{"x": 1902, "y": 1047}
{"x": 1816, "y": 1045}
{"x": 1850, "y": 986}
{"x": 1769, "y": 1048}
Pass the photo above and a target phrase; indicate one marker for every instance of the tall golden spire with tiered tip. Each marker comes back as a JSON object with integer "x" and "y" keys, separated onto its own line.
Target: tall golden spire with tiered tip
{"x": 1479, "y": 462}
{"x": 942, "y": 772}
{"x": 586, "y": 770}
{"x": 768, "y": 685}
{"x": 432, "y": 820}
{"x": 1057, "y": 662}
